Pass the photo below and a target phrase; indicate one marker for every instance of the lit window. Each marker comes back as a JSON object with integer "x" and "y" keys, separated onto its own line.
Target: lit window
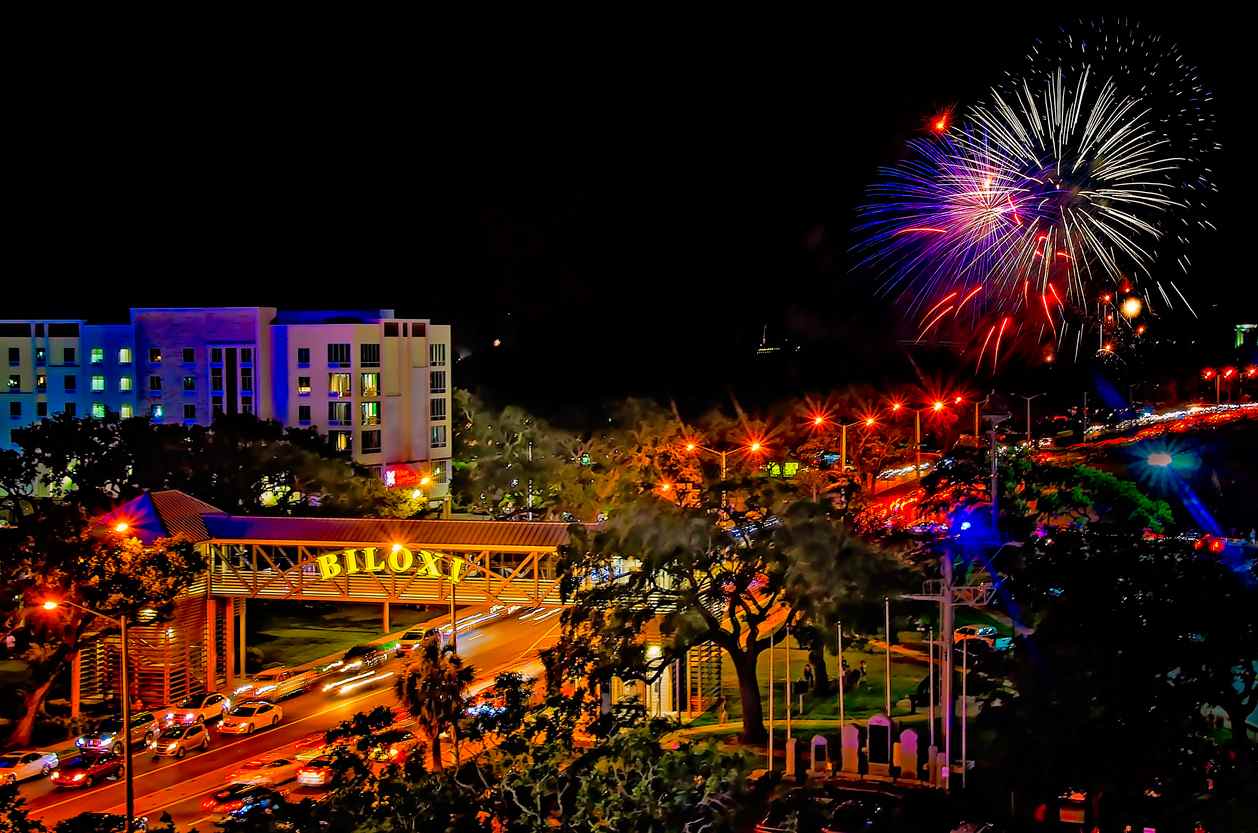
{"x": 370, "y": 413}
{"x": 98, "y": 355}
{"x": 338, "y": 355}
{"x": 189, "y": 383}
{"x": 438, "y": 411}
{"x": 124, "y": 383}
{"x": 41, "y": 382}
{"x": 124, "y": 355}
{"x": 303, "y": 414}
{"x": 98, "y": 384}
{"x": 98, "y": 410}
{"x": 189, "y": 411}
{"x": 303, "y": 385}
{"x": 156, "y": 411}
{"x": 371, "y": 442}
{"x": 189, "y": 355}
{"x": 155, "y": 355}
{"x": 437, "y": 355}
{"x": 437, "y": 383}
{"x": 438, "y": 436}
{"x": 126, "y": 411}
{"x": 41, "y": 355}
{"x": 15, "y": 382}
{"x": 339, "y": 413}
{"x": 338, "y": 384}
{"x": 340, "y": 440}
{"x": 369, "y": 355}
{"x": 370, "y": 384}
{"x": 155, "y": 383}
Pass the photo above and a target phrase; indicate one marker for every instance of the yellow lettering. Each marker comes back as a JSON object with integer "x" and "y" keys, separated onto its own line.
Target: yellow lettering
{"x": 369, "y": 560}
{"x": 328, "y": 568}
{"x": 400, "y": 560}
{"x": 456, "y": 567}
{"x": 351, "y": 564}
{"x": 430, "y": 563}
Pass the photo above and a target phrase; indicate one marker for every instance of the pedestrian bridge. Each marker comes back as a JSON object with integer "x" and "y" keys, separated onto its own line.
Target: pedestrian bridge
{"x": 359, "y": 559}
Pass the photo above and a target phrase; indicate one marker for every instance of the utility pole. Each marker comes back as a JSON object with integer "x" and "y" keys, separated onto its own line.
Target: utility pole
{"x": 1028, "y": 415}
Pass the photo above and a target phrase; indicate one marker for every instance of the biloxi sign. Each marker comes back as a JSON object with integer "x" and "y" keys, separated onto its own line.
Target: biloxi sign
{"x": 397, "y": 560}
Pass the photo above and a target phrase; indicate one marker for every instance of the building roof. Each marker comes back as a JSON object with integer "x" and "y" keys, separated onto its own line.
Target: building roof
{"x": 169, "y": 512}
{"x": 377, "y": 531}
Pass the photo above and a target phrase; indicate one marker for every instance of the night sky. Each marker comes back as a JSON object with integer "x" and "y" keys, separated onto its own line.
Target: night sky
{"x": 626, "y": 214}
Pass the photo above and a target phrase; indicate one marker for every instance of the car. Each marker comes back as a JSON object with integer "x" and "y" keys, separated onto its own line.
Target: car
{"x": 247, "y": 717}
{"x": 266, "y": 771}
{"x": 110, "y": 822}
{"x": 486, "y": 703}
{"x": 832, "y": 809}
{"x": 363, "y": 657}
{"x": 392, "y": 746}
{"x": 355, "y": 680}
{"x": 177, "y": 741}
{"x": 415, "y": 637}
{"x": 18, "y": 766}
{"x": 106, "y": 736}
{"x": 86, "y": 768}
{"x": 316, "y": 773}
{"x": 984, "y": 633}
{"x": 241, "y": 799}
{"x": 197, "y": 708}
{"x": 276, "y": 684}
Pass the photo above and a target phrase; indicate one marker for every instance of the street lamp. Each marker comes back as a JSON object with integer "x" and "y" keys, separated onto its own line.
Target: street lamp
{"x": 1028, "y": 414}
{"x": 1209, "y": 373}
{"x": 121, "y": 622}
{"x": 867, "y": 421}
{"x": 934, "y": 407}
{"x": 755, "y": 447}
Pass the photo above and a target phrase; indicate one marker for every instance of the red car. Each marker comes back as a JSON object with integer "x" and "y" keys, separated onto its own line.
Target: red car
{"x": 85, "y": 769}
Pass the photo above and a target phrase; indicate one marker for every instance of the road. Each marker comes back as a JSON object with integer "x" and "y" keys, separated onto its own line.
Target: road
{"x": 177, "y": 787}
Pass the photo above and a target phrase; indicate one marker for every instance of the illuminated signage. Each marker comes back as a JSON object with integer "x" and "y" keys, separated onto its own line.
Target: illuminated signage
{"x": 397, "y": 560}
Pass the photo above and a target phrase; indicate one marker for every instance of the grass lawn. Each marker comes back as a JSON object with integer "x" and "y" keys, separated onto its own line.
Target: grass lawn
{"x": 860, "y": 703}
{"x": 292, "y": 634}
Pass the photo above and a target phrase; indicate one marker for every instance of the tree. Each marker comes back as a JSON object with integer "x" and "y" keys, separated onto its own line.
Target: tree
{"x": 58, "y": 553}
{"x": 431, "y": 688}
{"x": 744, "y": 563}
{"x": 14, "y": 817}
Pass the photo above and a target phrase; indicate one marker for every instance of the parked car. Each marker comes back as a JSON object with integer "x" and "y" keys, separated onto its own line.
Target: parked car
{"x": 106, "y": 736}
{"x": 241, "y": 799}
{"x": 197, "y": 708}
{"x": 18, "y": 766}
{"x": 984, "y": 633}
{"x": 86, "y": 768}
{"x": 276, "y": 684}
{"x": 110, "y": 822}
{"x": 266, "y": 771}
{"x": 247, "y": 717}
{"x": 392, "y": 746}
{"x": 316, "y": 773}
{"x": 177, "y": 741}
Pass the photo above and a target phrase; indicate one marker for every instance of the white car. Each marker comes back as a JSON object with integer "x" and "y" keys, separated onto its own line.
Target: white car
{"x": 267, "y": 772}
{"x": 18, "y": 766}
{"x": 250, "y": 716}
{"x": 196, "y": 708}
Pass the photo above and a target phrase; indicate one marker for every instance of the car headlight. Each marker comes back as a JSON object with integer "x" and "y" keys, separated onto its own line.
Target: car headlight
{"x": 172, "y": 747}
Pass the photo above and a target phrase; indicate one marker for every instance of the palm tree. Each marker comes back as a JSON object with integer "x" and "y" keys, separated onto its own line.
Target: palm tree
{"x": 431, "y": 689}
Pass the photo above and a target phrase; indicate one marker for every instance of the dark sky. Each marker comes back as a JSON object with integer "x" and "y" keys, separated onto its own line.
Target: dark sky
{"x": 625, "y": 206}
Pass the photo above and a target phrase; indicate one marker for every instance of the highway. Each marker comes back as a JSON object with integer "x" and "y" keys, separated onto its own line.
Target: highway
{"x": 178, "y": 787}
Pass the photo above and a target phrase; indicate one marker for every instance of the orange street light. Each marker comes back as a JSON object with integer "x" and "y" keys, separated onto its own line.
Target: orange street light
{"x": 666, "y": 486}
{"x": 50, "y": 605}
{"x": 870, "y": 421}
{"x": 425, "y": 481}
{"x": 938, "y": 406}
{"x": 896, "y": 406}
{"x": 120, "y": 527}
{"x": 755, "y": 447}
{"x": 818, "y": 420}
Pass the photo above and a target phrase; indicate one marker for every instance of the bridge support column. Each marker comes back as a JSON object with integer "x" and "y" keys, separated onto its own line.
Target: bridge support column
{"x": 229, "y": 638}
{"x": 244, "y": 664}
{"x": 76, "y": 683}
{"x": 211, "y": 643}
{"x": 385, "y": 618}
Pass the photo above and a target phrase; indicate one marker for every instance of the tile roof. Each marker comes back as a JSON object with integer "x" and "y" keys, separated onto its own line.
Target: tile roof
{"x": 346, "y": 531}
{"x": 170, "y": 512}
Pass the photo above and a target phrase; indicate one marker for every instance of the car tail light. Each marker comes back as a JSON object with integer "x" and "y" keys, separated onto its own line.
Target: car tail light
{"x": 208, "y": 804}
{"x": 235, "y": 805}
